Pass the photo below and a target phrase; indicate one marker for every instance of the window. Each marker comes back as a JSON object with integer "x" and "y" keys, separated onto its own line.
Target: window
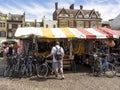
{"x": 63, "y": 15}
{"x": 80, "y": 16}
{"x": 71, "y": 24}
{"x": 10, "y": 34}
{"x": 3, "y": 24}
{"x": 94, "y": 16}
{"x": 87, "y": 16}
{"x": 63, "y": 24}
{"x": 10, "y": 26}
{"x": 17, "y": 19}
{"x": 80, "y": 24}
{"x": 37, "y": 25}
{"x": 93, "y": 24}
{"x": 2, "y": 34}
{"x": 46, "y": 25}
{"x": 28, "y": 25}
{"x": 0, "y": 24}
{"x": 71, "y": 15}
{"x": 19, "y": 25}
{"x": 87, "y": 24}
{"x": 54, "y": 26}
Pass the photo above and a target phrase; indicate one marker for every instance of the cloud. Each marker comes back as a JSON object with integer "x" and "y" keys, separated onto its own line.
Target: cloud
{"x": 35, "y": 10}
{"x": 108, "y": 10}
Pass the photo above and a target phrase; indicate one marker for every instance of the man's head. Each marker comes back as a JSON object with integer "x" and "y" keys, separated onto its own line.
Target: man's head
{"x": 57, "y": 43}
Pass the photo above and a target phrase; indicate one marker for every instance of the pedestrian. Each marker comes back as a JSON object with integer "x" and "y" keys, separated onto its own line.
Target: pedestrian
{"x": 10, "y": 50}
{"x": 57, "y": 64}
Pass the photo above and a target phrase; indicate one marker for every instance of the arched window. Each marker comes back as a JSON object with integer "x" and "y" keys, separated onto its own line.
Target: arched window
{"x": 54, "y": 26}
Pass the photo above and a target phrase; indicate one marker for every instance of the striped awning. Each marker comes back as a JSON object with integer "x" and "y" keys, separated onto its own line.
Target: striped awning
{"x": 115, "y": 33}
{"x": 83, "y": 33}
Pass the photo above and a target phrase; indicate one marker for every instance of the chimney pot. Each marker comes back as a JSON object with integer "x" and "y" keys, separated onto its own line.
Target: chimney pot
{"x": 81, "y": 7}
{"x": 56, "y": 5}
{"x": 72, "y": 6}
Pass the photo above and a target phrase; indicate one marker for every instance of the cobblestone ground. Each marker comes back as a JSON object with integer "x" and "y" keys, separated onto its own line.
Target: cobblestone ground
{"x": 73, "y": 81}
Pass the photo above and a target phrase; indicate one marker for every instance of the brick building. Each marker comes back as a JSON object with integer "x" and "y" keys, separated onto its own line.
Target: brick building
{"x": 76, "y": 17}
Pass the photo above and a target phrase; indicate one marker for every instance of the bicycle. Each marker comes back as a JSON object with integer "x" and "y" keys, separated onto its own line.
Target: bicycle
{"x": 26, "y": 66}
{"x": 115, "y": 59}
{"x": 100, "y": 68}
{"x": 9, "y": 67}
{"x": 44, "y": 69}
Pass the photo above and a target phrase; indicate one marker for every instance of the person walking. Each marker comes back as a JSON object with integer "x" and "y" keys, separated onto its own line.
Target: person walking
{"x": 57, "y": 59}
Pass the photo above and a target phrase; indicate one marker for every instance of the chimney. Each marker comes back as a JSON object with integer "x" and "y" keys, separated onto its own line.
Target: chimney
{"x": 56, "y": 5}
{"x": 81, "y": 7}
{"x": 72, "y": 6}
{"x": 35, "y": 22}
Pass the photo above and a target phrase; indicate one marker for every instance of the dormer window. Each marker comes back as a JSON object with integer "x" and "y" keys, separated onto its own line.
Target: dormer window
{"x": 80, "y": 16}
{"x": 71, "y": 15}
{"x": 87, "y": 16}
{"x": 63, "y": 15}
{"x": 94, "y": 16}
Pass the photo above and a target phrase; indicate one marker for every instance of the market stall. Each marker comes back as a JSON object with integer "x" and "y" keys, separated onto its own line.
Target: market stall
{"x": 73, "y": 40}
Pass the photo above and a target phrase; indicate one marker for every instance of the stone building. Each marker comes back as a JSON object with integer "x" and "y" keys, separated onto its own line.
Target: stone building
{"x": 13, "y": 22}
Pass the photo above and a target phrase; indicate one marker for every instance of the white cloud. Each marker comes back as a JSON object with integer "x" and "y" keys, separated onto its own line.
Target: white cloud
{"x": 108, "y": 11}
{"x": 38, "y": 10}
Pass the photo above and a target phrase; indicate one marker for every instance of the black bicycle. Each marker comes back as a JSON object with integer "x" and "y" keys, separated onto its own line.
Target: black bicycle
{"x": 44, "y": 69}
{"x": 11, "y": 61}
{"x": 100, "y": 68}
{"x": 26, "y": 68}
{"x": 115, "y": 60}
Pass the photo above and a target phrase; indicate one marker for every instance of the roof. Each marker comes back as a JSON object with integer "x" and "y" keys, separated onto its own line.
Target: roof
{"x": 75, "y": 11}
{"x": 115, "y": 23}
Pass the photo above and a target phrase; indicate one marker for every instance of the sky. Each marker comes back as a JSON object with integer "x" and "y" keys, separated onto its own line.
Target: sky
{"x": 37, "y": 9}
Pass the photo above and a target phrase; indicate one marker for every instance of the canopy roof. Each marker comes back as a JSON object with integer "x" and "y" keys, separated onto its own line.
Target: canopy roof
{"x": 83, "y": 33}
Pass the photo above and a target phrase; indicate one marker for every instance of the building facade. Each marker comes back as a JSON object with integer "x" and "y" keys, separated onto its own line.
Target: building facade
{"x": 76, "y": 17}
{"x": 49, "y": 23}
{"x": 3, "y": 26}
{"x": 13, "y": 22}
{"x": 34, "y": 23}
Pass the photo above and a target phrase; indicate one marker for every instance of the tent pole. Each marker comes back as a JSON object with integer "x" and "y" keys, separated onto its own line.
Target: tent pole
{"x": 71, "y": 47}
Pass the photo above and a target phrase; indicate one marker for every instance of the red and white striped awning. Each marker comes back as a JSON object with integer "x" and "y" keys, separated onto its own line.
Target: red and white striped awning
{"x": 82, "y": 33}
{"x": 115, "y": 33}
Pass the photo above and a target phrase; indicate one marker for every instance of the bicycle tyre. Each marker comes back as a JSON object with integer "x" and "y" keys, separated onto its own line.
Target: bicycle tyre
{"x": 11, "y": 71}
{"x": 117, "y": 70}
{"x": 22, "y": 70}
{"x": 42, "y": 71}
{"x": 6, "y": 72}
{"x": 111, "y": 72}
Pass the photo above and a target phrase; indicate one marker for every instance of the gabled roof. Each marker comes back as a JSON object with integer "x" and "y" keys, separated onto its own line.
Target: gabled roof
{"x": 92, "y": 12}
{"x": 77, "y": 11}
{"x": 63, "y": 11}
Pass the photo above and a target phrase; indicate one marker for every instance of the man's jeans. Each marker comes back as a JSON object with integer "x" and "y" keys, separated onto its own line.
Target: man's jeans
{"x": 104, "y": 63}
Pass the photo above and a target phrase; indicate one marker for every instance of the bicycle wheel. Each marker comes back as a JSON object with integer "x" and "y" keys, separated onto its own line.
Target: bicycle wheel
{"x": 22, "y": 70}
{"x": 111, "y": 71}
{"x": 117, "y": 71}
{"x": 6, "y": 72}
{"x": 42, "y": 71}
{"x": 33, "y": 70}
{"x": 11, "y": 71}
